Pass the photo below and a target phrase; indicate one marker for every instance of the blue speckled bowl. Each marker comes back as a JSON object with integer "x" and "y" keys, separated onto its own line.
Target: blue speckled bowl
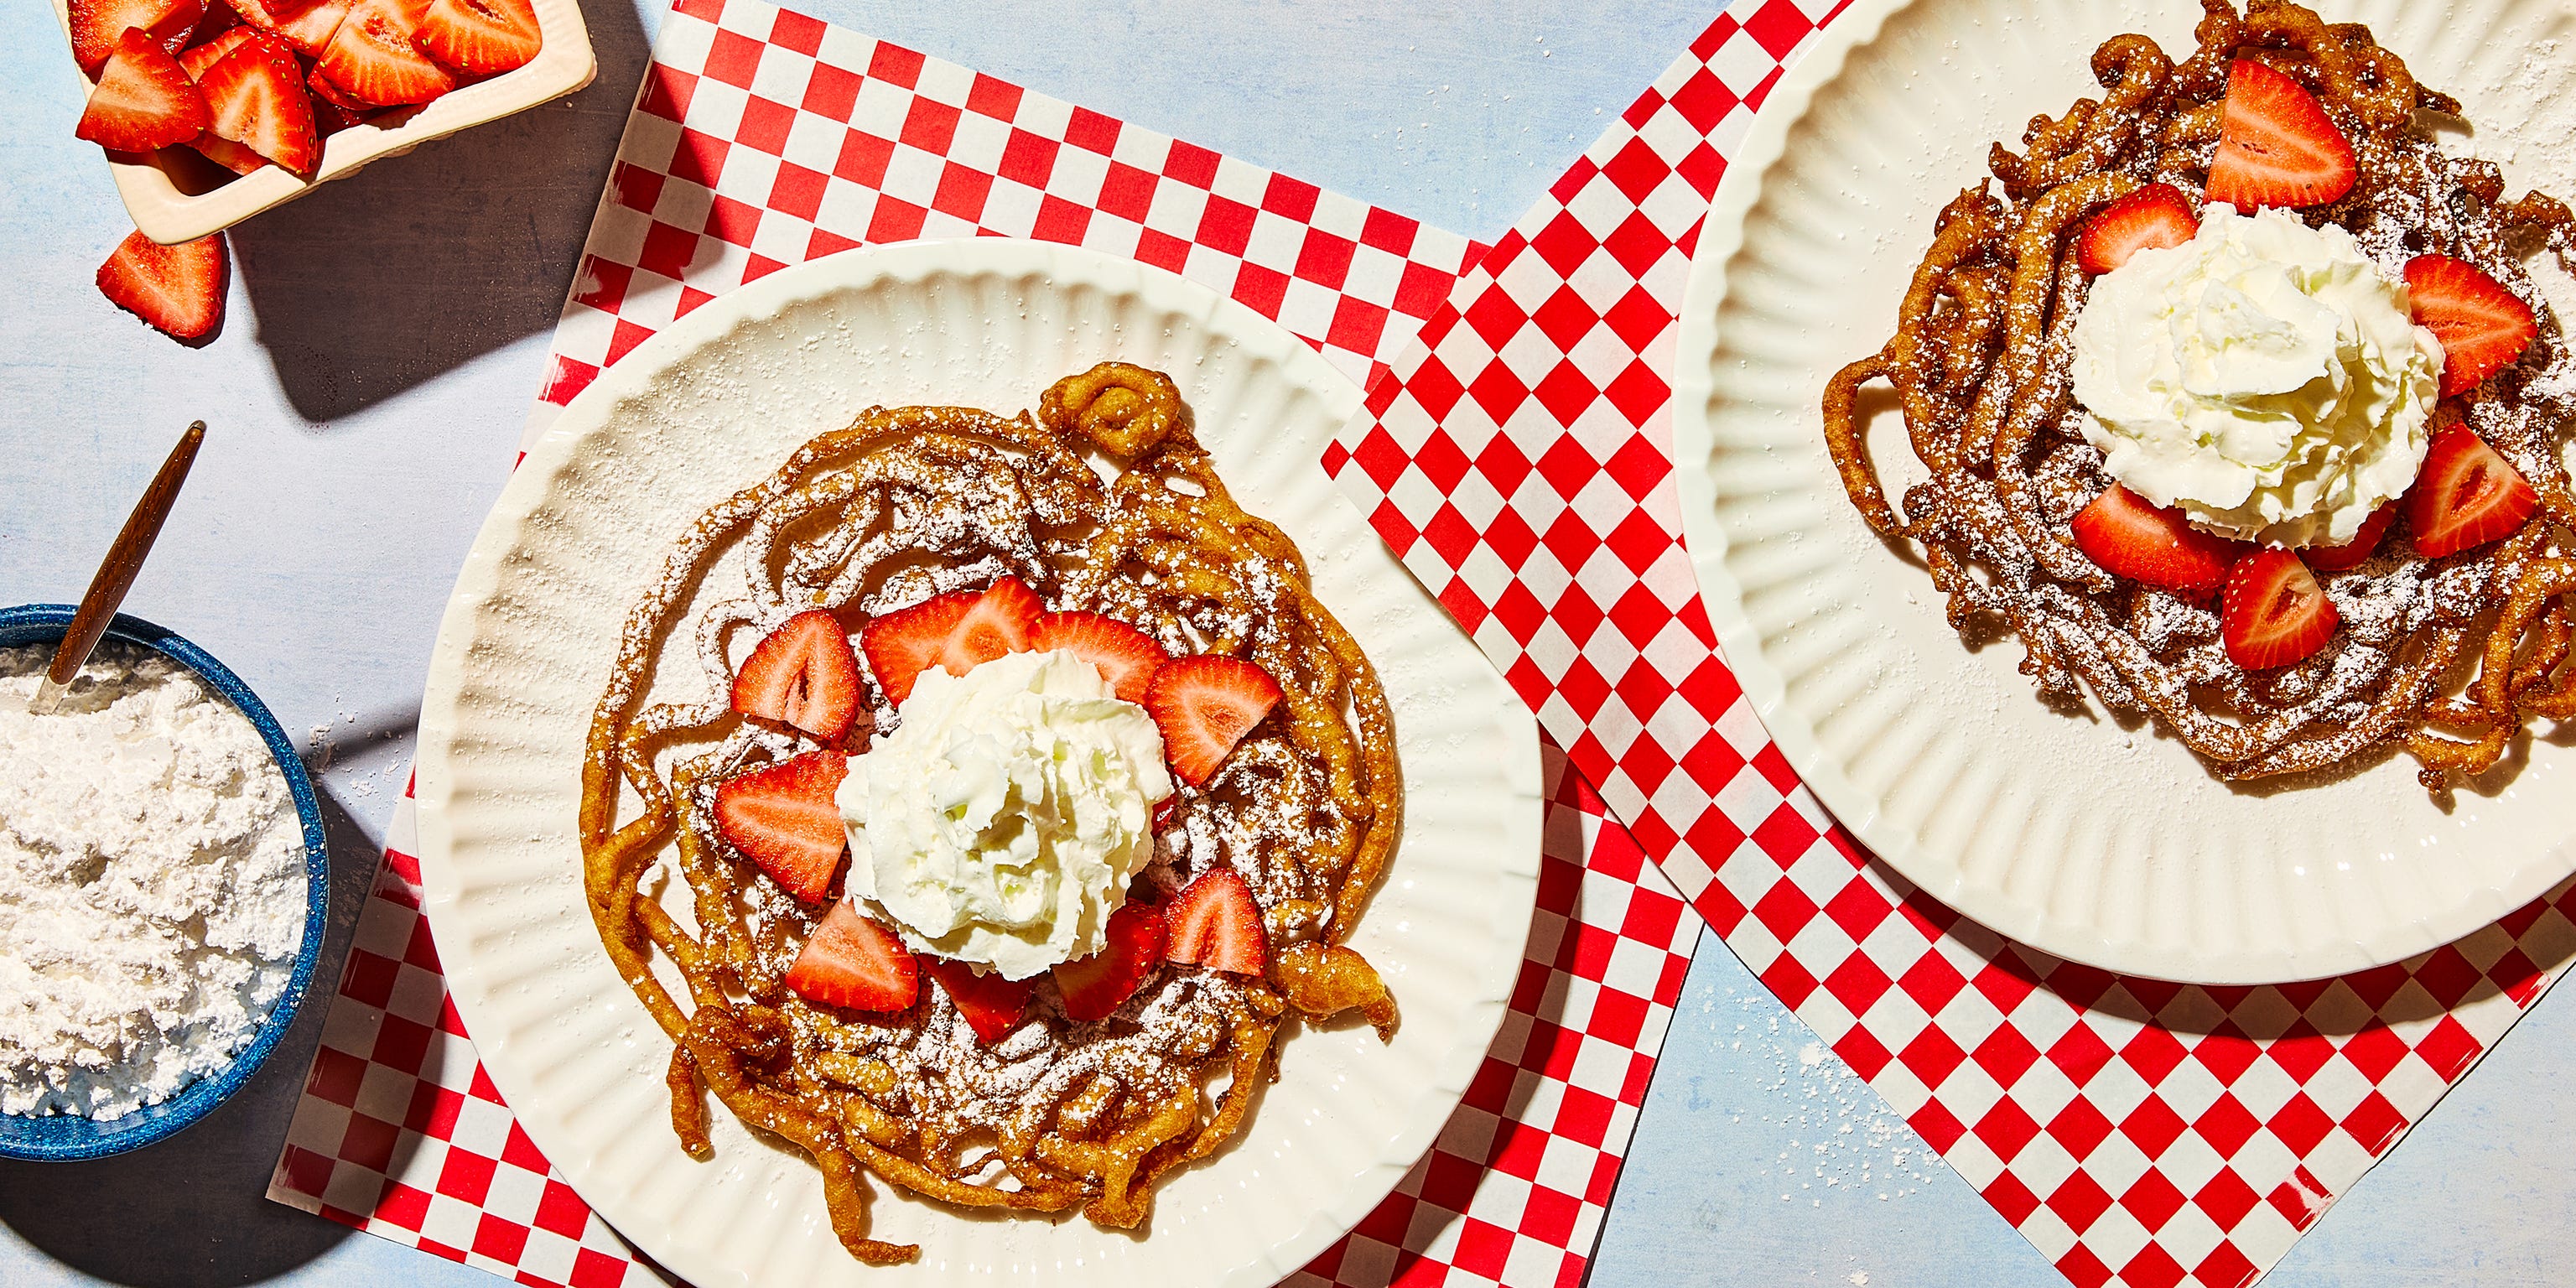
{"x": 67, "y": 1137}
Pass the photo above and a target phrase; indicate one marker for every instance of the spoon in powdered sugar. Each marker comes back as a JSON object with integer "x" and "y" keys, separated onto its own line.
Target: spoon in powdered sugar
{"x": 116, "y": 572}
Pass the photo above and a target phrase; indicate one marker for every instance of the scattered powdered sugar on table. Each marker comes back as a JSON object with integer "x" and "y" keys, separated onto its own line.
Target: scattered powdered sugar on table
{"x": 152, "y": 887}
{"x": 1841, "y": 1135}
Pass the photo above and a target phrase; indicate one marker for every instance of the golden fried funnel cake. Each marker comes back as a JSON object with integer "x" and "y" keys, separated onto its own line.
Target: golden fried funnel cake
{"x": 2470, "y": 643}
{"x": 912, "y": 502}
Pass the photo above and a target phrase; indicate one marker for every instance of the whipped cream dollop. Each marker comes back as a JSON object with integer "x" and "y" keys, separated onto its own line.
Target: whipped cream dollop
{"x": 2265, "y": 378}
{"x": 1001, "y": 823}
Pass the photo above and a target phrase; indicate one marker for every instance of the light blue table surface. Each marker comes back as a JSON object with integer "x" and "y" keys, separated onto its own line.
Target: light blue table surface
{"x": 387, "y": 333}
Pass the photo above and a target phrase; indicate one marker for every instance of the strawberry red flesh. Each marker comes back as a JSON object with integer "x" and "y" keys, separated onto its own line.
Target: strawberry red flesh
{"x": 2466, "y": 496}
{"x": 1204, "y": 705}
{"x": 269, "y": 15}
{"x": 1125, "y": 656}
{"x": 2482, "y": 326}
{"x": 2124, "y": 533}
{"x": 2356, "y": 552}
{"x": 143, "y": 100}
{"x": 998, "y": 622}
{"x": 1095, "y": 986}
{"x": 197, "y": 58}
{"x": 325, "y": 94}
{"x": 2154, "y": 217}
{"x": 178, "y": 289}
{"x": 991, "y": 1004}
{"x": 783, "y": 818}
{"x": 1215, "y": 923}
{"x": 2273, "y": 612}
{"x": 908, "y": 641}
{"x": 2276, "y": 145}
{"x": 855, "y": 963}
{"x": 256, "y": 93}
{"x": 310, "y": 32}
{"x": 802, "y": 674}
{"x": 97, "y": 25}
{"x": 226, "y": 153}
{"x": 480, "y": 37}
{"x": 371, "y": 55}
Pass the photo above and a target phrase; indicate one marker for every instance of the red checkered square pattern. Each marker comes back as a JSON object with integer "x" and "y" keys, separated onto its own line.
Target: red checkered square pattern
{"x": 762, "y": 138}
{"x": 2136, "y": 1132}
{"x": 400, "y": 1134}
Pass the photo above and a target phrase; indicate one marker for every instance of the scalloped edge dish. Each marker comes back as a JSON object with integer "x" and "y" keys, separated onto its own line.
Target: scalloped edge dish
{"x": 715, "y": 402}
{"x": 2098, "y": 840}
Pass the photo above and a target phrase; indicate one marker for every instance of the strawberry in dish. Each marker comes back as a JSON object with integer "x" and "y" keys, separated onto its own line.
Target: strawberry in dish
{"x": 2242, "y": 409}
{"x": 1024, "y": 806}
{"x": 223, "y": 88}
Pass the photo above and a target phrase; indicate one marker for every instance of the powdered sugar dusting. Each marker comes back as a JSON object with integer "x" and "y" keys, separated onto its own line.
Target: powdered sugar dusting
{"x": 152, "y": 886}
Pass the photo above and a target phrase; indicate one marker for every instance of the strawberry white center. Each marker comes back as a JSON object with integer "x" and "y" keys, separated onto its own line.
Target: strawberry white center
{"x": 1001, "y": 823}
{"x": 2264, "y": 378}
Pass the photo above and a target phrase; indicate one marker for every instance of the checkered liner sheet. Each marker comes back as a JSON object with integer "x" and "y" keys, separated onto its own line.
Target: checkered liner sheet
{"x": 762, "y": 138}
{"x": 2136, "y": 1132}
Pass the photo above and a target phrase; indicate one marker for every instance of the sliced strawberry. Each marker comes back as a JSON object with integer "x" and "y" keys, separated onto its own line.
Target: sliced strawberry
{"x": 1204, "y": 705}
{"x": 1126, "y": 656}
{"x": 480, "y": 37}
{"x": 97, "y": 24}
{"x": 802, "y": 674}
{"x": 2274, "y": 613}
{"x": 2151, "y": 218}
{"x": 1164, "y": 809}
{"x": 178, "y": 289}
{"x": 215, "y": 21}
{"x": 2276, "y": 146}
{"x": 257, "y": 95}
{"x": 372, "y": 55}
{"x": 991, "y": 1004}
{"x": 1216, "y": 924}
{"x": 2482, "y": 326}
{"x": 1094, "y": 986}
{"x": 310, "y": 32}
{"x": 331, "y": 118}
{"x": 853, "y": 962}
{"x": 197, "y": 58}
{"x": 2353, "y": 553}
{"x": 783, "y": 818}
{"x": 998, "y": 622}
{"x": 144, "y": 99}
{"x": 324, "y": 91}
{"x": 2466, "y": 496}
{"x": 908, "y": 641}
{"x": 226, "y": 153}
{"x": 270, "y": 15}
{"x": 2122, "y": 532}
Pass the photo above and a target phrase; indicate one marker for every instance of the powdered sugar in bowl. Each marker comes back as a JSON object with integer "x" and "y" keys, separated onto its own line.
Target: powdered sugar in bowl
{"x": 200, "y": 930}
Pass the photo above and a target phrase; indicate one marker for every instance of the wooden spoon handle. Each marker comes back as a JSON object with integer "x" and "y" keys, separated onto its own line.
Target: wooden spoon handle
{"x": 124, "y": 559}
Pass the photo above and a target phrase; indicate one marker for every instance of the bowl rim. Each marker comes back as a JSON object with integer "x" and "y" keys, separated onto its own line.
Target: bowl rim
{"x": 70, "y": 1137}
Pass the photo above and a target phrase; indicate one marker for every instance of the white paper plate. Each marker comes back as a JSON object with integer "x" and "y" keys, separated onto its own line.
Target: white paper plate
{"x": 2107, "y": 844}
{"x": 718, "y": 401}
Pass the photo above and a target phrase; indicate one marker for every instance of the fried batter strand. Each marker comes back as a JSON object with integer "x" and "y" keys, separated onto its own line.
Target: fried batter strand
{"x": 903, "y": 504}
{"x": 1979, "y": 363}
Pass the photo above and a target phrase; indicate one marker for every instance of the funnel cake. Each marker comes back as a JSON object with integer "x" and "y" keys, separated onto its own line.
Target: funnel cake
{"x": 2444, "y": 656}
{"x": 903, "y": 509}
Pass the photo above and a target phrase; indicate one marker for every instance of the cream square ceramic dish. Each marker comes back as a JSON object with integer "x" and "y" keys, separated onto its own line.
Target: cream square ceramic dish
{"x": 176, "y": 202}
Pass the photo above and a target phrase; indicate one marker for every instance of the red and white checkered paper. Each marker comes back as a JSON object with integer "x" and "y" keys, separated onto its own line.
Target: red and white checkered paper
{"x": 762, "y": 138}
{"x": 2136, "y": 1132}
